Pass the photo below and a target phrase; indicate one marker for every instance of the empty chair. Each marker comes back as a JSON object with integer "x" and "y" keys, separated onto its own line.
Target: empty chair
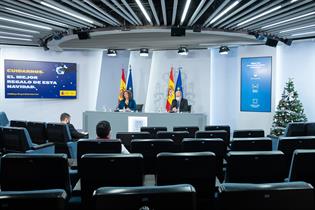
{"x": 222, "y": 134}
{"x": 149, "y": 148}
{"x": 53, "y": 199}
{"x": 288, "y": 144}
{"x": 126, "y": 137}
{"x": 226, "y": 128}
{"x": 217, "y": 146}
{"x": 1, "y": 141}
{"x": 21, "y": 172}
{"x": 4, "y": 121}
{"x": 274, "y": 196}
{"x": 139, "y": 107}
{"x": 310, "y": 128}
{"x": 190, "y": 129}
{"x": 146, "y": 197}
{"x": 248, "y": 133}
{"x": 251, "y": 144}
{"x": 302, "y": 166}
{"x": 295, "y": 129}
{"x": 153, "y": 130}
{"x": 37, "y": 131}
{"x": 176, "y": 136}
{"x": 18, "y": 140}
{"x": 255, "y": 167}
{"x": 101, "y": 170}
{"x": 18, "y": 123}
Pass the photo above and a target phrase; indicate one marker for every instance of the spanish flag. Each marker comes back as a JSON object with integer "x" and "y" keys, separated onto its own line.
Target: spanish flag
{"x": 170, "y": 91}
{"x": 122, "y": 85}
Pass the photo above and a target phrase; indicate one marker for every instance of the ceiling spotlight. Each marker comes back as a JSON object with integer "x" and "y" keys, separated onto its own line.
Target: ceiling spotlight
{"x": 224, "y": 50}
{"x": 144, "y": 52}
{"x": 111, "y": 52}
{"x": 183, "y": 51}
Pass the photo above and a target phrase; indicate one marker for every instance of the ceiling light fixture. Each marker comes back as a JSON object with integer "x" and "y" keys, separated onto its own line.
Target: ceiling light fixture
{"x": 185, "y": 11}
{"x": 66, "y": 12}
{"x": 111, "y": 52}
{"x": 292, "y": 1}
{"x": 15, "y": 38}
{"x": 296, "y": 29}
{"x": 144, "y": 52}
{"x": 183, "y": 51}
{"x": 224, "y": 11}
{"x": 260, "y": 15}
{"x": 15, "y": 34}
{"x": 19, "y": 29}
{"x": 288, "y": 20}
{"x": 224, "y": 50}
{"x": 305, "y": 33}
{"x": 144, "y": 11}
{"x": 25, "y": 23}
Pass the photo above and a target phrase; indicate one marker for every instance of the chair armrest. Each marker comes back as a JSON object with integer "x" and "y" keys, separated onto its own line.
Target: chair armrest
{"x": 48, "y": 148}
{"x": 41, "y": 146}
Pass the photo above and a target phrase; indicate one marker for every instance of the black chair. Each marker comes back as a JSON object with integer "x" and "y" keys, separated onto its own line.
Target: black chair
{"x": 302, "y": 166}
{"x": 4, "y": 121}
{"x": 288, "y": 144}
{"x": 190, "y": 129}
{"x": 1, "y": 141}
{"x": 18, "y": 123}
{"x": 310, "y": 128}
{"x": 226, "y": 128}
{"x": 101, "y": 170}
{"x": 255, "y": 167}
{"x": 197, "y": 169}
{"x": 37, "y": 131}
{"x": 189, "y": 109}
{"x": 139, "y": 107}
{"x": 149, "y": 148}
{"x": 217, "y": 146}
{"x": 248, "y": 133}
{"x": 251, "y": 144}
{"x": 17, "y": 140}
{"x": 275, "y": 196}
{"x": 221, "y": 134}
{"x": 53, "y": 199}
{"x": 153, "y": 130}
{"x": 20, "y": 172}
{"x": 126, "y": 137}
{"x": 176, "y": 136}
{"x": 295, "y": 129}
{"x": 146, "y": 197}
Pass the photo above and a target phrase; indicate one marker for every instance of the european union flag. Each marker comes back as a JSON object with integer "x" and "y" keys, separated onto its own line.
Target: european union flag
{"x": 129, "y": 83}
{"x": 179, "y": 83}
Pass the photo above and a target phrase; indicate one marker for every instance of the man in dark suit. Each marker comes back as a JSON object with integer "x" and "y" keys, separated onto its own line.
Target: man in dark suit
{"x": 65, "y": 118}
{"x": 179, "y": 104}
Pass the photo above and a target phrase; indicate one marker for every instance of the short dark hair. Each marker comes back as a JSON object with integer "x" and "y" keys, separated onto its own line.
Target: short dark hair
{"x": 63, "y": 116}
{"x": 103, "y": 129}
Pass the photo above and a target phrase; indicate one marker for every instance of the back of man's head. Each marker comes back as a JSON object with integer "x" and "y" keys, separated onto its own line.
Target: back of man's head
{"x": 64, "y": 116}
{"x": 103, "y": 129}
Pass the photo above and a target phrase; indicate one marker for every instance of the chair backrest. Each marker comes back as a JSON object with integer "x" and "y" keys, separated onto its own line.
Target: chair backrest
{"x": 251, "y": 144}
{"x": 18, "y": 123}
{"x": 190, "y": 129}
{"x": 16, "y": 139}
{"x": 302, "y": 166}
{"x": 58, "y": 133}
{"x": 4, "y": 121}
{"x": 274, "y": 196}
{"x": 139, "y": 107}
{"x": 255, "y": 167}
{"x": 153, "y": 130}
{"x": 295, "y": 129}
{"x": 197, "y": 169}
{"x": 310, "y": 128}
{"x": 101, "y": 170}
{"x": 149, "y": 148}
{"x": 189, "y": 108}
{"x": 176, "y": 136}
{"x": 21, "y": 172}
{"x": 37, "y": 131}
{"x": 53, "y": 199}
{"x": 126, "y": 137}
{"x": 226, "y": 128}
{"x": 222, "y": 134}
{"x": 248, "y": 133}
{"x": 168, "y": 197}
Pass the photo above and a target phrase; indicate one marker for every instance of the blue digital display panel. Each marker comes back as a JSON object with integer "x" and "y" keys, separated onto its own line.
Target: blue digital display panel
{"x": 256, "y": 77}
{"x": 36, "y": 79}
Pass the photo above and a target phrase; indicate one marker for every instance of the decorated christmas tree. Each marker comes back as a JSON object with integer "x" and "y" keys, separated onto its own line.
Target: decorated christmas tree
{"x": 289, "y": 109}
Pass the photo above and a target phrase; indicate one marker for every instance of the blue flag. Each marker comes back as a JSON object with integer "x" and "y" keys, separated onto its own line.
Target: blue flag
{"x": 129, "y": 83}
{"x": 179, "y": 83}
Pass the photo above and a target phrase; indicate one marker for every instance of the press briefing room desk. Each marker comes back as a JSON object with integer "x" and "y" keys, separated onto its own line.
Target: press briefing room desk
{"x": 119, "y": 120}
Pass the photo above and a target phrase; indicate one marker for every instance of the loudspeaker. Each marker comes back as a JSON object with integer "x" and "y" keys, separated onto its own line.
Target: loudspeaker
{"x": 83, "y": 35}
{"x": 178, "y": 31}
{"x": 271, "y": 42}
{"x": 197, "y": 28}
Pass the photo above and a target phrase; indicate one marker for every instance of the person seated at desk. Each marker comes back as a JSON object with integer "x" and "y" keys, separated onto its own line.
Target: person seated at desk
{"x": 103, "y": 129}
{"x": 128, "y": 103}
{"x": 179, "y": 104}
{"x": 76, "y": 135}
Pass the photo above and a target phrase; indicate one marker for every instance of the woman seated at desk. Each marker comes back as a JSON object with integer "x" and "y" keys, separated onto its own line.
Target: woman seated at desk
{"x": 127, "y": 103}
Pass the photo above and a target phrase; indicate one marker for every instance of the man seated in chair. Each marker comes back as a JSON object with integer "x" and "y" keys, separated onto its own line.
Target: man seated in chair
{"x": 179, "y": 104}
{"x": 103, "y": 129}
{"x": 65, "y": 118}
